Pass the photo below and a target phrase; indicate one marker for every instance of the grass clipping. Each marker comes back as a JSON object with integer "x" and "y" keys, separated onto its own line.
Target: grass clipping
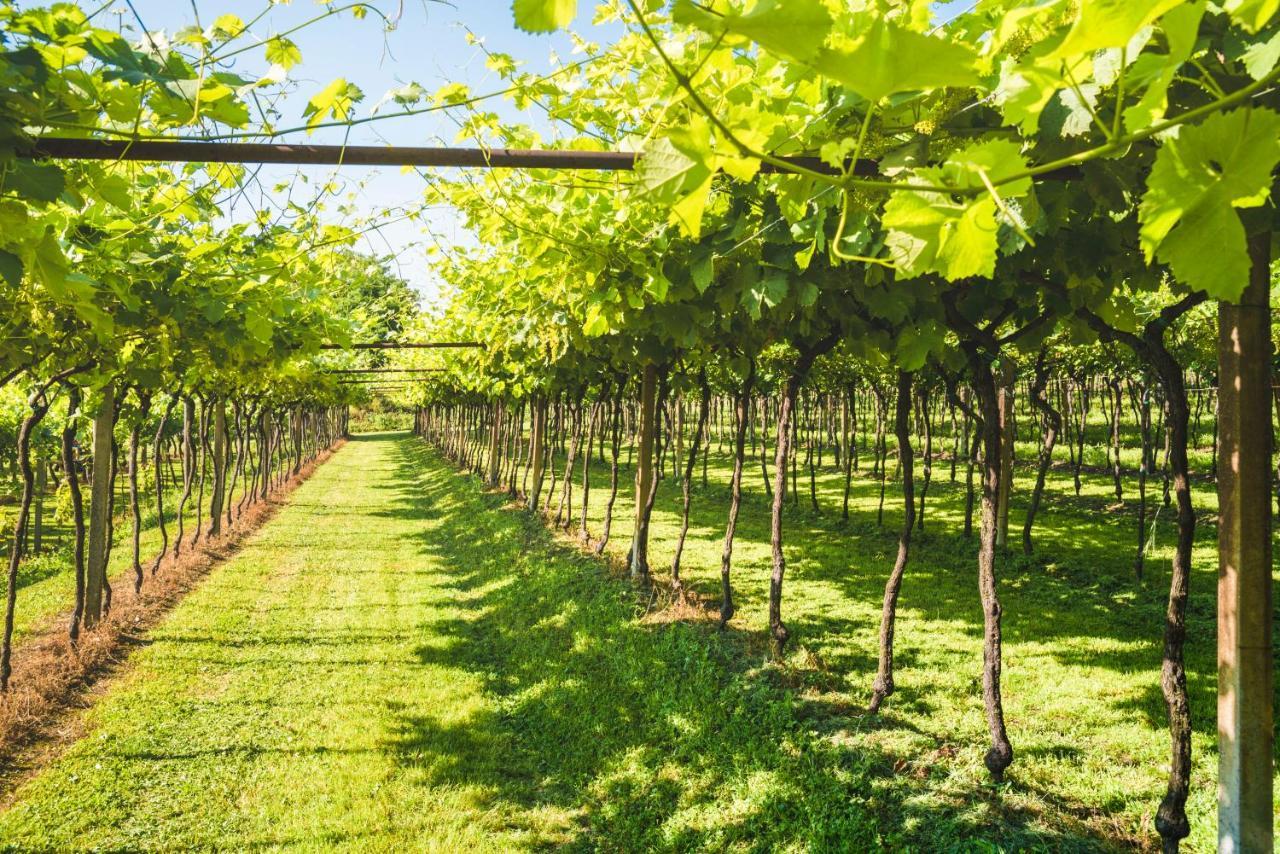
{"x": 52, "y": 680}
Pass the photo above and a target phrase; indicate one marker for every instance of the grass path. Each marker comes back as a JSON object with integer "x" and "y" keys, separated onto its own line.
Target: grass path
{"x": 395, "y": 662}
{"x": 391, "y": 664}
{"x": 275, "y": 704}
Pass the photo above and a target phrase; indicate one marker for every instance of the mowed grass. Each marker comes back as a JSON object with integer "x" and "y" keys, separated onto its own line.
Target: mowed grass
{"x": 400, "y": 661}
{"x": 396, "y": 663}
{"x": 1083, "y": 642}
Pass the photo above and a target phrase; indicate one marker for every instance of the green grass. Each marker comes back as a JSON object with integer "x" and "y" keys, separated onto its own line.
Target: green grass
{"x": 1082, "y": 642}
{"x": 398, "y": 661}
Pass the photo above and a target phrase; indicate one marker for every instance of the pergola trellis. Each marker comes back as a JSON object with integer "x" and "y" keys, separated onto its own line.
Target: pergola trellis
{"x": 1245, "y": 694}
{"x": 385, "y": 371}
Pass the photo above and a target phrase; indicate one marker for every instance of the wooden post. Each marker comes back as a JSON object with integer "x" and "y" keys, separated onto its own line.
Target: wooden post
{"x": 219, "y": 467}
{"x": 538, "y": 441}
{"x": 295, "y": 424}
{"x": 99, "y": 507}
{"x": 495, "y": 433}
{"x": 679, "y": 430}
{"x": 842, "y": 445}
{"x": 644, "y": 472}
{"x": 1244, "y": 563}
{"x": 42, "y": 486}
{"x": 1008, "y": 435}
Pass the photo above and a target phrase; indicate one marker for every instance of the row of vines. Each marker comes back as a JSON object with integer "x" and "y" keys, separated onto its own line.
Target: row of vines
{"x": 163, "y": 362}
{"x": 1007, "y": 221}
{"x": 880, "y": 211}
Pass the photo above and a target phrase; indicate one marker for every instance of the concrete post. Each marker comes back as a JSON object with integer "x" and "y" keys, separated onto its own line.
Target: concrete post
{"x": 1244, "y": 563}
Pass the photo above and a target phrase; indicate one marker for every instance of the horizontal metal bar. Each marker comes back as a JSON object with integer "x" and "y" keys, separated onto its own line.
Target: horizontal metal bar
{"x": 384, "y": 371}
{"x": 378, "y": 381}
{"x": 195, "y": 151}
{"x": 403, "y": 345}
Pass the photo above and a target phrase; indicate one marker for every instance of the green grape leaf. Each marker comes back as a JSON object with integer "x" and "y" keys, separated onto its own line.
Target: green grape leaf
{"x": 954, "y": 237}
{"x": 115, "y": 190}
{"x": 1180, "y": 27}
{"x": 885, "y": 58}
{"x": 807, "y": 294}
{"x": 39, "y": 182}
{"x": 1110, "y": 23}
{"x": 887, "y": 305}
{"x": 1080, "y": 105}
{"x": 687, "y": 212}
{"x": 774, "y": 288}
{"x": 202, "y": 249}
{"x": 657, "y": 285}
{"x": 953, "y": 234}
{"x": 544, "y": 16}
{"x": 804, "y": 256}
{"x": 452, "y": 93}
{"x": 702, "y": 271}
{"x": 11, "y": 268}
{"x": 1209, "y": 252}
{"x": 998, "y": 159}
{"x": 125, "y": 63}
{"x": 228, "y": 111}
{"x": 1199, "y": 176}
{"x": 214, "y": 308}
{"x": 228, "y": 25}
{"x": 1028, "y": 85}
{"x": 914, "y": 344}
{"x": 596, "y": 324}
{"x": 1260, "y": 57}
{"x": 666, "y": 173}
{"x": 50, "y": 265}
{"x": 336, "y": 100}
{"x": 792, "y": 29}
{"x": 283, "y": 52}
{"x": 1253, "y": 15}
{"x": 258, "y": 326}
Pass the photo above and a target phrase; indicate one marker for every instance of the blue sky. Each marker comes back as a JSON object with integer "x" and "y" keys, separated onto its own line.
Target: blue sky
{"x": 428, "y": 46}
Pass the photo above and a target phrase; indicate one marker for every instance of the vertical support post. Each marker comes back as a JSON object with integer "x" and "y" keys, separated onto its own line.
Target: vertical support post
{"x": 644, "y": 472}
{"x": 495, "y": 433}
{"x": 842, "y": 444}
{"x": 219, "y": 466}
{"x": 538, "y": 441}
{"x": 42, "y": 486}
{"x": 679, "y": 431}
{"x": 1244, "y": 562}
{"x": 264, "y": 451}
{"x": 295, "y": 427}
{"x": 1007, "y": 377}
{"x": 99, "y": 507}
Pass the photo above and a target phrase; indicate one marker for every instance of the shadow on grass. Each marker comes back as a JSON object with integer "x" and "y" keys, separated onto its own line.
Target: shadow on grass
{"x": 665, "y": 736}
{"x": 1075, "y": 589}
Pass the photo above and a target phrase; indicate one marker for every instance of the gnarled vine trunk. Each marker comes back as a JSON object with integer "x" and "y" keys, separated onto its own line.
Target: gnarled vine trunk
{"x": 157, "y": 451}
{"x": 778, "y": 633}
{"x": 883, "y": 686}
{"x": 38, "y": 405}
{"x": 71, "y": 470}
{"x": 704, "y": 401}
{"x": 1052, "y": 424}
{"x": 742, "y": 410}
{"x": 614, "y": 440}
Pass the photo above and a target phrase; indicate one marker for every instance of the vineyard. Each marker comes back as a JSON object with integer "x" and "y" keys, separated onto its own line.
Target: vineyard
{"x": 776, "y": 425}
